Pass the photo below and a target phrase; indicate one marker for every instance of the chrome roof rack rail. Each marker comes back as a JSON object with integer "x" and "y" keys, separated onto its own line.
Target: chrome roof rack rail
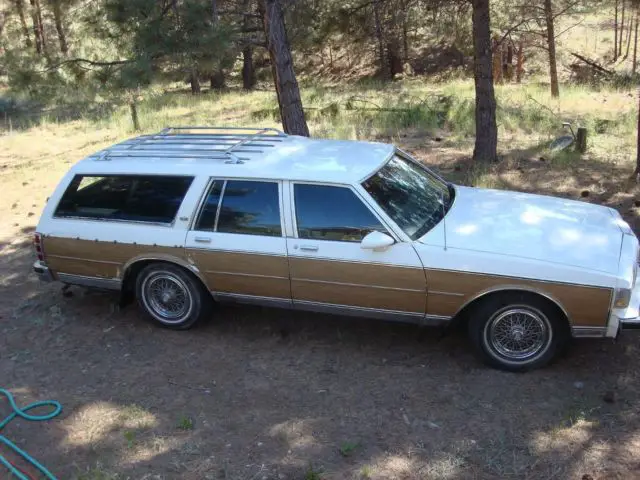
{"x": 223, "y": 143}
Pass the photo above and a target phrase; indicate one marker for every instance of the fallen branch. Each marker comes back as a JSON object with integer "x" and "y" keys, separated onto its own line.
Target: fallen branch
{"x": 593, "y": 64}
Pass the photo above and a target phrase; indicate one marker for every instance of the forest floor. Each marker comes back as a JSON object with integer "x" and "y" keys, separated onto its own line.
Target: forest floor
{"x": 267, "y": 394}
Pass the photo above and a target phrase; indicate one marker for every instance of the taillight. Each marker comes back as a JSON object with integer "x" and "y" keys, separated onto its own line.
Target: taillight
{"x": 37, "y": 243}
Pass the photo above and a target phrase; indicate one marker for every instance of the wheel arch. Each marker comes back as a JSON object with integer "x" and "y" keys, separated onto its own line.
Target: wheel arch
{"x": 134, "y": 266}
{"x": 462, "y": 315}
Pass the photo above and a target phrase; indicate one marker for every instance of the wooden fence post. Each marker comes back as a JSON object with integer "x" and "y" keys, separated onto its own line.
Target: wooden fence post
{"x": 581, "y": 140}
{"x": 134, "y": 116}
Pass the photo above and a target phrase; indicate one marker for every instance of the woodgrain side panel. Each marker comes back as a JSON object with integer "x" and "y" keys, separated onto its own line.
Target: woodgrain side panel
{"x": 358, "y": 284}
{"x": 243, "y": 273}
{"x": 99, "y": 259}
{"x": 586, "y": 306}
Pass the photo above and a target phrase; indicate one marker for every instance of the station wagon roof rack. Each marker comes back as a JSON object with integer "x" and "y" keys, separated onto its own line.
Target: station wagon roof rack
{"x": 219, "y": 143}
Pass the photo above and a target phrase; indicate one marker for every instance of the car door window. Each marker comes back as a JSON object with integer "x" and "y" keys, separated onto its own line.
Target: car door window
{"x": 332, "y": 213}
{"x": 247, "y": 207}
{"x": 207, "y": 219}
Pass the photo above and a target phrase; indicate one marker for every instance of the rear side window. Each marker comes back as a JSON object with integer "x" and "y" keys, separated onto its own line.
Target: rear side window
{"x": 247, "y": 207}
{"x": 133, "y": 198}
{"x": 332, "y": 213}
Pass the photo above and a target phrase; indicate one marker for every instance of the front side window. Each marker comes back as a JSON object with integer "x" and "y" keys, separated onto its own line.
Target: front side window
{"x": 248, "y": 207}
{"x": 138, "y": 198}
{"x": 332, "y": 213}
{"x": 413, "y": 197}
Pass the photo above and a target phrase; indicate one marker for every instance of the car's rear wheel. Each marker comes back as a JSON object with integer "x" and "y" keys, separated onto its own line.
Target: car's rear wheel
{"x": 518, "y": 331}
{"x": 171, "y": 297}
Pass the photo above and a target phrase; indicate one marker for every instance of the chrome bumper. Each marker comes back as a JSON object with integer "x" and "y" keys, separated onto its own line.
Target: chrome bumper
{"x": 626, "y": 318}
{"x": 43, "y": 272}
{"x": 630, "y": 323}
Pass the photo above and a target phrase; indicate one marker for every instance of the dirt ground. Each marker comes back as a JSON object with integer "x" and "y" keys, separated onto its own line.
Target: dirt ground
{"x": 266, "y": 394}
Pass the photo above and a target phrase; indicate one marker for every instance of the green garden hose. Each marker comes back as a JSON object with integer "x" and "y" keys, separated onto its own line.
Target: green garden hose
{"x": 22, "y": 413}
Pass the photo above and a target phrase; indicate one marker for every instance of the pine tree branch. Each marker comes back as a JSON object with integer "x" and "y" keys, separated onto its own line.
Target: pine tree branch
{"x": 512, "y": 29}
{"x": 88, "y": 62}
{"x": 238, "y": 12}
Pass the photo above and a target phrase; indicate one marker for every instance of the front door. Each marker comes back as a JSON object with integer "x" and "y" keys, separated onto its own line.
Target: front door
{"x": 329, "y": 269}
{"x": 238, "y": 244}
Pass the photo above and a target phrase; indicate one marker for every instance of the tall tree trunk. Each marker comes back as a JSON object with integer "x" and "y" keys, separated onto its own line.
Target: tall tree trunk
{"x": 284, "y": 77}
{"x": 380, "y": 39}
{"x": 23, "y": 23}
{"x": 395, "y": 58}
{"x": 635, "y": 41}
{"x": 496, "y": 59}
{"x": 62, "y": 37}
{"x": 629, "y": 32}
{"x": 486, "y": 145}
{"x": 551, "y": 44}
{"x": 248, "y": 72}
{"x": 621, "y": 32}
{"x": 615, "y": 33}
{"x": 519, "y": 61}
{"x": 38, "y": 27}
{"x": 217, "y": 80}
{"x": 405, "y": 36}
{"x": 636, "y": 172}
{"x": 194, "y": 81}
{"x": 214, "y": 11}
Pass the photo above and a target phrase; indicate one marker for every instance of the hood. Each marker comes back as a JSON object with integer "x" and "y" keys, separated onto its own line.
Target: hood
{"x": 536, "y": 227}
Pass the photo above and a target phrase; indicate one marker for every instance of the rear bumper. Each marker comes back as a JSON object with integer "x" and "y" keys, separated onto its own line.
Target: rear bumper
{"x": 43, "y": 272}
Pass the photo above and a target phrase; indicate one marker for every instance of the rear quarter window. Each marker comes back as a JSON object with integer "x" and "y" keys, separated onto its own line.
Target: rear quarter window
{"x": 133, "y": 198}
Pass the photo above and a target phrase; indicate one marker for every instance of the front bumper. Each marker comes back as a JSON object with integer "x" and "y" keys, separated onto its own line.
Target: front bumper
{"x": 43, "y": 272}
{"x": 626, "y": 318}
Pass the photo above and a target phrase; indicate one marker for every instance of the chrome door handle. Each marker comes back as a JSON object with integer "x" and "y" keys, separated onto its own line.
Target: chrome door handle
{"x": 202, "y": 239}
{"x": 309, "y": 248}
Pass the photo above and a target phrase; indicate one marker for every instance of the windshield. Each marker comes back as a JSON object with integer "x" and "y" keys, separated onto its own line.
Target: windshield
{"x": 411, "y": 195}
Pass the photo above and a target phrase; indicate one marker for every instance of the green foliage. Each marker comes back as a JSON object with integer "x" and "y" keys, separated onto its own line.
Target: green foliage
{"x": 313, "y": 474}
{"x": 130, "y": 438}
{"x": 348, "y": 448}
{"x": 185, "y": 423}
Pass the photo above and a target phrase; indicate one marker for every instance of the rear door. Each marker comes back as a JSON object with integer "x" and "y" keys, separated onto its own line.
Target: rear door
{"x": 330, "y": 270}
{"x": 237, "y": 242}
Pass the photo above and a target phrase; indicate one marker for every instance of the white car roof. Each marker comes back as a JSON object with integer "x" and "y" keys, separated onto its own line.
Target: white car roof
{"x": 262, "y": 153}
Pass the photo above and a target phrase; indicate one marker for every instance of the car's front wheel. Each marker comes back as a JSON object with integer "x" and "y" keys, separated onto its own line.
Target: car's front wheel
{"x": 171, "y": 297}
{"x": 518, "y": 331}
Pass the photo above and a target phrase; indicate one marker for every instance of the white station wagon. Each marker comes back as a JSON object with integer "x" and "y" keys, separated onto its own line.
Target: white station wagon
{"x": 193, "y": 215}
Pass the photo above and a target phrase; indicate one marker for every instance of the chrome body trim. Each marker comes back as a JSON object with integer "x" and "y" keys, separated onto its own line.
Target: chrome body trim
{"x": 93, "y": 282}
{"x": 223, "y": 250}
{"x": 43, "y": 272}
{"x": 392, "y": 315}
{"x": 65, "y": 257}
{"x": 588, "y": 332}
{"x": 252, "y": 300}
{"x": 513, "y": 277}
{"x": 239, "y": 274}
{"x": 346, "y": 310}
{"x": 359, "y": 285}
{"x": 451, "y": 294}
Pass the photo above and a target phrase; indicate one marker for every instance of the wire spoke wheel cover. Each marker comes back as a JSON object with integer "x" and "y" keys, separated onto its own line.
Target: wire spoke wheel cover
{"x": 167, "y": 297}
{"x": 518, "y": 334}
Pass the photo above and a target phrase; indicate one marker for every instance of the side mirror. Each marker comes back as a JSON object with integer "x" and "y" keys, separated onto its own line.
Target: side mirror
{"x": 376, "y": 241}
